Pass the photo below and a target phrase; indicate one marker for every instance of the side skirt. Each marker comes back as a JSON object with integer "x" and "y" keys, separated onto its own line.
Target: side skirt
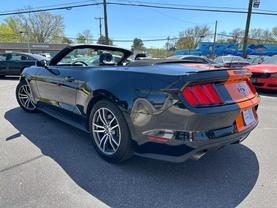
{"x": 62, "y": 117}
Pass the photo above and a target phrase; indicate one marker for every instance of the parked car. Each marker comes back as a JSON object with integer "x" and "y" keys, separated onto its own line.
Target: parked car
{"x": 14, "y": 63}
{"x": 195, "y": 59}
{"x": 258, "y": 60}
{"x": 264, "y": 76}
{"x": 161, "y": 109}
{"x": 231, "y": 61}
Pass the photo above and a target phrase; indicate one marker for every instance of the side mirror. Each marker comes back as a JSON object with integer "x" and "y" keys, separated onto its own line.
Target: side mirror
{"x": 42, "y": 63}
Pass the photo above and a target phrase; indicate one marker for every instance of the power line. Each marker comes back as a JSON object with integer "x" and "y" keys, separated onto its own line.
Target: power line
{"x": 144, "y": 5}
{"x": 25, "y": 11}
{"x": 191, "y": 9}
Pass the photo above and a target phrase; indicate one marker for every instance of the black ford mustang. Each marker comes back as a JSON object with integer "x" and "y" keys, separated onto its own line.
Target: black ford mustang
{"x": 161, "y": 109}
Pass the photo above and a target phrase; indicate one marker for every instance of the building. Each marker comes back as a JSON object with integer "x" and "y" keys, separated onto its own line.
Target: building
{"x": 38, "y": 48}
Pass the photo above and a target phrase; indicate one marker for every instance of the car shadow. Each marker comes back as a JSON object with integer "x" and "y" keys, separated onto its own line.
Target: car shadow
{"x": 220, "y": 179}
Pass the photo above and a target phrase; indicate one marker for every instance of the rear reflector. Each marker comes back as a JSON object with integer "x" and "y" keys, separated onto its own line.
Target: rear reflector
{"x": 202, "y": 94}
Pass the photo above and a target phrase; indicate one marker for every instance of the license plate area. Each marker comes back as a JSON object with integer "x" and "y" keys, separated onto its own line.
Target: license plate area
{"x": 248, "y": 116}
{"x": 245, "y": 119}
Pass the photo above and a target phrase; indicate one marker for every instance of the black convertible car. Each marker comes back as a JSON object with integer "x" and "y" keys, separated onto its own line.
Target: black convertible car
{"x": 161, "y": 109}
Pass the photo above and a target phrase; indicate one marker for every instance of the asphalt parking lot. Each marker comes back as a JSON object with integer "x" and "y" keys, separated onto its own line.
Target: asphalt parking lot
{"x": 46, "y": 163}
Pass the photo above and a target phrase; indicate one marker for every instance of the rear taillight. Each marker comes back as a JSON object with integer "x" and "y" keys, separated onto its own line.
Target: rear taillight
{"x": 251, "y": 86}
{"x": 202, "y": 95}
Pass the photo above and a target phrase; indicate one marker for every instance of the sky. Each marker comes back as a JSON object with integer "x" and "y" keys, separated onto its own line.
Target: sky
{"x": 148, "y": 23}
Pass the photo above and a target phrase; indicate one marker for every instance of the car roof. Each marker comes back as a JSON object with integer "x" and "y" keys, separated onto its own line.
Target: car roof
{"x": 101, "y": 47}
{"x": 35, "y": 56}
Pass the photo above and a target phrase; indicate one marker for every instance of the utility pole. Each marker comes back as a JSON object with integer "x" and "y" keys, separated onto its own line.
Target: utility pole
{"x": 106, "y": 22}
{"x": 28, "y": 35}
{"x": 100, "y": 24}
{"x": 215, "y": 33}
{"x": 246, "y": 32}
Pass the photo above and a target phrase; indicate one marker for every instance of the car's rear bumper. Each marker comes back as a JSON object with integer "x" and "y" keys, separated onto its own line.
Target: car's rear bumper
{"x": 176, "y": 134}
{"x": 190, "y": 149}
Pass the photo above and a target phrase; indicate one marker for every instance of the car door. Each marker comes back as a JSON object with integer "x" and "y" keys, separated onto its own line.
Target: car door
{"x": 57, "y": 88}
{"x": 3, "y": 64}
{"x": 14, "y": 64}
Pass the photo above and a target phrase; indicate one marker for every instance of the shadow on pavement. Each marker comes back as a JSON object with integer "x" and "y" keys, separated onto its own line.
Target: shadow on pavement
{"x": 220, "y": 179}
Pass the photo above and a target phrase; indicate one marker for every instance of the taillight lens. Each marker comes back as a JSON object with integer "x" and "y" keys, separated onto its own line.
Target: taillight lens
{"x": 251, "y": 86}
{"x": 202, "y": 94}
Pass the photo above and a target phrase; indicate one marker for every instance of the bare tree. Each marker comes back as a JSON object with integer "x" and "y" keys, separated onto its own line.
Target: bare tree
{"x": 191, "y": 37}
{"x": 39, "y": 27}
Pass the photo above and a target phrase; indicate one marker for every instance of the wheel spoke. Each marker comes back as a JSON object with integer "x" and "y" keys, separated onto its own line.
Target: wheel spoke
{"x": 100, "y": 117}
{"x": 104, "y": 117}
{"x": 102, "y": 139}
{"x": 111, "y": 143}
{"x": 114, "y": 141}
{"x": 111, "y": 121}
{"x": 112, "y": 128}
{"x": 20, "y": 95}
{"x": 98, "y": 126}
{"x": 99, "y": 131}
{"x": 28, "y": 103}
{"x": 105, "y": 142}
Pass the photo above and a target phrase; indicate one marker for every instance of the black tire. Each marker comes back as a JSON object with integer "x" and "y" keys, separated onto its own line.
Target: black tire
{"x": 124, "y": 149}
{"x": 33, "y": 108}
{"x": 2, "y": 76}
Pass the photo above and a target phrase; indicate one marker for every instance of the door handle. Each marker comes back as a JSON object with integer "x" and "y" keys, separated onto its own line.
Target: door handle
{"x": 69, "y": 79}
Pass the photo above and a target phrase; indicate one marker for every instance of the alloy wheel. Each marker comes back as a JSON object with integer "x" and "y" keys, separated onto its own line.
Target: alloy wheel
{"x": 25, "y": 97}
{"x": 106, "y": 131}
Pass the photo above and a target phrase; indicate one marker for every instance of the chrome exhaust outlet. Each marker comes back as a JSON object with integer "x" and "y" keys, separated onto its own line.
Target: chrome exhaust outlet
{"x": 198, "y": 155}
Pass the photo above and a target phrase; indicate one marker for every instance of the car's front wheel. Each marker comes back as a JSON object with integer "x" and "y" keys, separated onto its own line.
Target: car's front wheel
{"x": 109, "y": 132}
{"x": 24, "y": 97}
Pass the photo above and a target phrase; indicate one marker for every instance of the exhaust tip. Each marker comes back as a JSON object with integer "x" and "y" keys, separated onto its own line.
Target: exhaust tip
{"x": 198, "y": 155}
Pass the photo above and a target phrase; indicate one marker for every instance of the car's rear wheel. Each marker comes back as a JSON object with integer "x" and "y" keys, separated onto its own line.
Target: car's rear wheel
{"x": 109, "y": 132}
{"x": 24, "y": 97}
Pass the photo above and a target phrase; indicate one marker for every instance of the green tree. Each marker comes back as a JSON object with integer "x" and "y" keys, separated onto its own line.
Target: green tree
{"x": 7, "y": 34}
{"x": 159, "y": 52}
{"x": 138, "y": 45}
{"x": 84, "y": 37}
{"x": 80, "y": 38}
{"x": 66, "y": 40}
{"x": 102, "y": 40}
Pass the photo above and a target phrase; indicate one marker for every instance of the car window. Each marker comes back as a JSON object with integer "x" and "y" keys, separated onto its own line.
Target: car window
{"x": 24, "y": 58}
{"x": 271, "y": 60}
{"x": 218, "y": 60}
{"x": 15, "y": 57}
{"x": 3, "y": 57}
{"x": 234, "y": 59}
{"x": 198, "y": 60}
{"x": 90, "y": 57}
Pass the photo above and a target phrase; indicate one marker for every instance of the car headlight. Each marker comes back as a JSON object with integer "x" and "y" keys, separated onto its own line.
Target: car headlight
{"x": 274, "y": 75}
